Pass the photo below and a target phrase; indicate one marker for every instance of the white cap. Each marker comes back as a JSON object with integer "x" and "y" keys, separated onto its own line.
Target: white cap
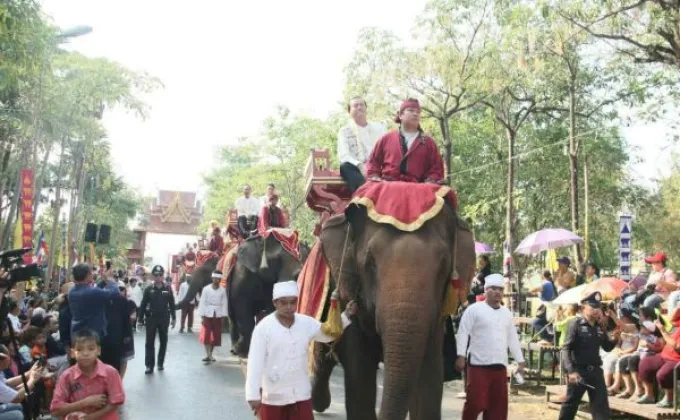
{"x": 494, "y": 280}
{"x": 121, "y": 284}
{"x": 285, "y": 289}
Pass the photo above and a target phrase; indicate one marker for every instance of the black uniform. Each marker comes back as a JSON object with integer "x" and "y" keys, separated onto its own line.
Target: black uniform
{"x": 158, "y": 306}
{"x": 581, "y": 353}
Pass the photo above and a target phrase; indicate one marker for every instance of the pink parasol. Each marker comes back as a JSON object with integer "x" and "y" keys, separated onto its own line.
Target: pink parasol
{"x": 611, "y": 288}
{"x": 482, "y": 249}
{"x": 546, "y": 239}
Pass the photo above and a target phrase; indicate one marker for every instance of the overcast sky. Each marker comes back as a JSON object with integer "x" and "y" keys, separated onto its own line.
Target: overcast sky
{"x": 227, "y": 64}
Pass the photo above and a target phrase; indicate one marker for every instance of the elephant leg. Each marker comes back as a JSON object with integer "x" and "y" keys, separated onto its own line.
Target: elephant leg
{"x": 234, "y": 333}
{"x": 245, "y": 317}
{"x": 324, "y": 362}
{"x": 426, "y": 400}
{"x": 361, "y": 369}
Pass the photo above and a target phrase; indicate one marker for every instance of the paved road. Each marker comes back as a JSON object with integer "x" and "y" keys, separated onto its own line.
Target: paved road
{"x": 188, "y": 389}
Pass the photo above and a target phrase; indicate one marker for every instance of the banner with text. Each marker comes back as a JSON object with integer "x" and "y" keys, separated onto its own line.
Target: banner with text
{"x": 625, "y": 246}
{"x": 27, "y": 192}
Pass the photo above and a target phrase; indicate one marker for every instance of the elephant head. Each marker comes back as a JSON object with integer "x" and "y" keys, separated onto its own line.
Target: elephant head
{"x": 200, "y": 278}
{"x": 268, "y": 259}
{"x": 400, "y": 280}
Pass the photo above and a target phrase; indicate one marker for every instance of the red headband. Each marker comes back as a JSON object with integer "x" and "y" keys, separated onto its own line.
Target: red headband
{"x": 408, "y": 103}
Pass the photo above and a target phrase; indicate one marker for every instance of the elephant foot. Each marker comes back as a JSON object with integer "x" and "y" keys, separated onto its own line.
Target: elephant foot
{"x": 321, "y": 396}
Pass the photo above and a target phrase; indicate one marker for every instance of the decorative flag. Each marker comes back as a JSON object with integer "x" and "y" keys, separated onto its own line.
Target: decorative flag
{"x": 26, "y": 218}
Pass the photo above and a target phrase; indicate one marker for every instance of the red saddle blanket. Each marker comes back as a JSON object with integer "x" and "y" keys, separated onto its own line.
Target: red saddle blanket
{"x": 404, "y": 205}
{"x": 313, "y": 283}
{"x": 227, "y": 262}
{"x": 288, "y": 238}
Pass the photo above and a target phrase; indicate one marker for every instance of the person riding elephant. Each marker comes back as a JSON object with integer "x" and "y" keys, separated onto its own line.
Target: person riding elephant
{"x": 400, "y": 282}
{"x": 250, "y": 285}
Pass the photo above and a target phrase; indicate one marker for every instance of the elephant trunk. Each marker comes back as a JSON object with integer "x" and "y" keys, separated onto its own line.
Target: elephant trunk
{"x": 408, "y": 308}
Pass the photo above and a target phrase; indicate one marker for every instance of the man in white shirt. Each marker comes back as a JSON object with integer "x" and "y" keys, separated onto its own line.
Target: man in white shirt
{"x": 355, "y": 143}
{"x": 212, "y": 308}
{"x": 248, "y": 208}
{"x": 278, "y": 357}
{"x": 489, "y": 330}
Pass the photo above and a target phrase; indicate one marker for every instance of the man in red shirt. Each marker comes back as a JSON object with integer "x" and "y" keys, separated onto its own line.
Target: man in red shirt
{"x": 271, "y": 216}
{"x": 406, "y": 154}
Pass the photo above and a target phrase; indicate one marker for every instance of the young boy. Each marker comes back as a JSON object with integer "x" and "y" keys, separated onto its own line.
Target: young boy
{"x": 90, "y": 386}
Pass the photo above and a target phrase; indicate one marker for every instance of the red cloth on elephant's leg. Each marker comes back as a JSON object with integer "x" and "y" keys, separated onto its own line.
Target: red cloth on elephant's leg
{"x": 301, "y": 410}
{"x": 486, "y": 391}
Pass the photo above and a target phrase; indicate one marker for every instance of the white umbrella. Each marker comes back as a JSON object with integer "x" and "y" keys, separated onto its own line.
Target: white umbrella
{"x": 546, "y": 239}
{"x": 571, "y": 296}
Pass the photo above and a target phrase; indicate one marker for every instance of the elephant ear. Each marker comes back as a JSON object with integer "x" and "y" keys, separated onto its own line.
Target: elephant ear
{"x": 250, "y": 254}
{"x": 465, "y": 253}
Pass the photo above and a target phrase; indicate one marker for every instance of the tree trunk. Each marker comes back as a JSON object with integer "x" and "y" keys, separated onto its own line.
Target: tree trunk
{"x": 586, "y": 209}
{"x": 573, "y": 168}
{"x": 448, "y": 148}
{"x": 40, "y": 180}
{"x": 510, "y": 210}
{"x": 55, "y": 217}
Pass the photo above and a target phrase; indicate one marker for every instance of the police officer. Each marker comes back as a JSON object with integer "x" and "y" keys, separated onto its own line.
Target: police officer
{"x": 581, "y": 358}
{"x": 158, "y": 306}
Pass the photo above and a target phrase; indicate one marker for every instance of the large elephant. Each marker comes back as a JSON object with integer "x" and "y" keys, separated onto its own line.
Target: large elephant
{"x": 399, "y": 280}
{"x": 250, "y": 285}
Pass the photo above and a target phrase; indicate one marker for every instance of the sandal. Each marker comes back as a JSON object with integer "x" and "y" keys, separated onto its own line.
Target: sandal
{"x": 645, "y": 400}
{"x": 624, "y": 395}
{"x": 205, "y": 359}
{"x": 664, "y": 404}
{"x": 612, "y": 392}
{"x": 212, "y": 359}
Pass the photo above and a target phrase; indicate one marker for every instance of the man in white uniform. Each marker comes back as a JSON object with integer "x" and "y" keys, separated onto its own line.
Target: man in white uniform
{"x": 489, "y": 330}
{"x": 248, "y": 208}
{"x": 355, "y": 143}
{"x": 278, "y": 357}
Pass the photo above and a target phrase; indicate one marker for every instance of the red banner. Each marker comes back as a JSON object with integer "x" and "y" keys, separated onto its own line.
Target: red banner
{"x": 27, "y": 194}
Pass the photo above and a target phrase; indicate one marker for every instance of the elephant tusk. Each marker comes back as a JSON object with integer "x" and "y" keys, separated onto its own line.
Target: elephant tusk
{"x": 264, "y": 264}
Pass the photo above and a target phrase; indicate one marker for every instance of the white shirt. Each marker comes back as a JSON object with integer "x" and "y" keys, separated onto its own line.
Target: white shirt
{"x": 409, "y": 137}
{"x": 136, "y": 294}
{"x": 278, "y": 359}
{"x": 7, "y": 393}
{"x": 355, "y": 143}
{"x": 213, "y": 302}
{"x": 16, "y": 324}
{"x": 490, "y": 333}
{"x": 247, "y": 206}
{"x": 183, "y": 289}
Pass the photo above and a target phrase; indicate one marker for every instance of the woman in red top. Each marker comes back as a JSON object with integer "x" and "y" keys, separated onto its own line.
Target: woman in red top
{"x": 216, "y": 242}
{"x": 660, "y": 367}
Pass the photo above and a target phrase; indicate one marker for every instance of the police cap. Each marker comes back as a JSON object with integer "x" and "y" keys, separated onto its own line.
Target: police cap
{"x": 594, "y": 300}
{"x": 157, "y": 269}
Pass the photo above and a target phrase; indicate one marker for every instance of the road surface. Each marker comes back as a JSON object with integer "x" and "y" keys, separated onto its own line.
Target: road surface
{"x": 188, "y": 389}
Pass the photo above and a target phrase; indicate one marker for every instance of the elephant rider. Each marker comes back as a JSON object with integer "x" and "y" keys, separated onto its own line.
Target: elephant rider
{"x": 271, "y": 216}
{"x": 406, "y": 154}
{"x": 158, "y": 306}
{"x": 248, "y": 207}
{"x": 271, "y": 190}
{"x": 216, "y": 241}
{"x": 277, "y": 382}
{"x": 355, "y": 143}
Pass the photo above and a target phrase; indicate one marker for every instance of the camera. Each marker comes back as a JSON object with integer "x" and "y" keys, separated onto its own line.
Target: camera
{"x": 13, "y": 263}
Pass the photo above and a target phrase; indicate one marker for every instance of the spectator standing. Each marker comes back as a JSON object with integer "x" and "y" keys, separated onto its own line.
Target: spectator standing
{"x": 88, "y": 304}
{"x": 90, "y": 386}
{"x": 187, "y": 311}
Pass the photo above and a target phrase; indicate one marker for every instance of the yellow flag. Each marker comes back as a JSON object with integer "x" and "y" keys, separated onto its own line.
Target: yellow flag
{"x": 18, "y": 235}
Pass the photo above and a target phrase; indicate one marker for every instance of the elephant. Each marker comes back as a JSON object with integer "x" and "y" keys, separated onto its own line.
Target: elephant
{"x": 399, "y": 281}
{"x": 250, "y": 284}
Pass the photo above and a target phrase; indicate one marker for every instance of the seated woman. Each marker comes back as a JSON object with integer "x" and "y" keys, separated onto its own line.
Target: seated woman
{"x": 541, "y": 326}
{"x": 627, "y": 345}
{"x": 660, "y": 368}
{"x": 271, "y": 216}
{"x": 650, "y": 343}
